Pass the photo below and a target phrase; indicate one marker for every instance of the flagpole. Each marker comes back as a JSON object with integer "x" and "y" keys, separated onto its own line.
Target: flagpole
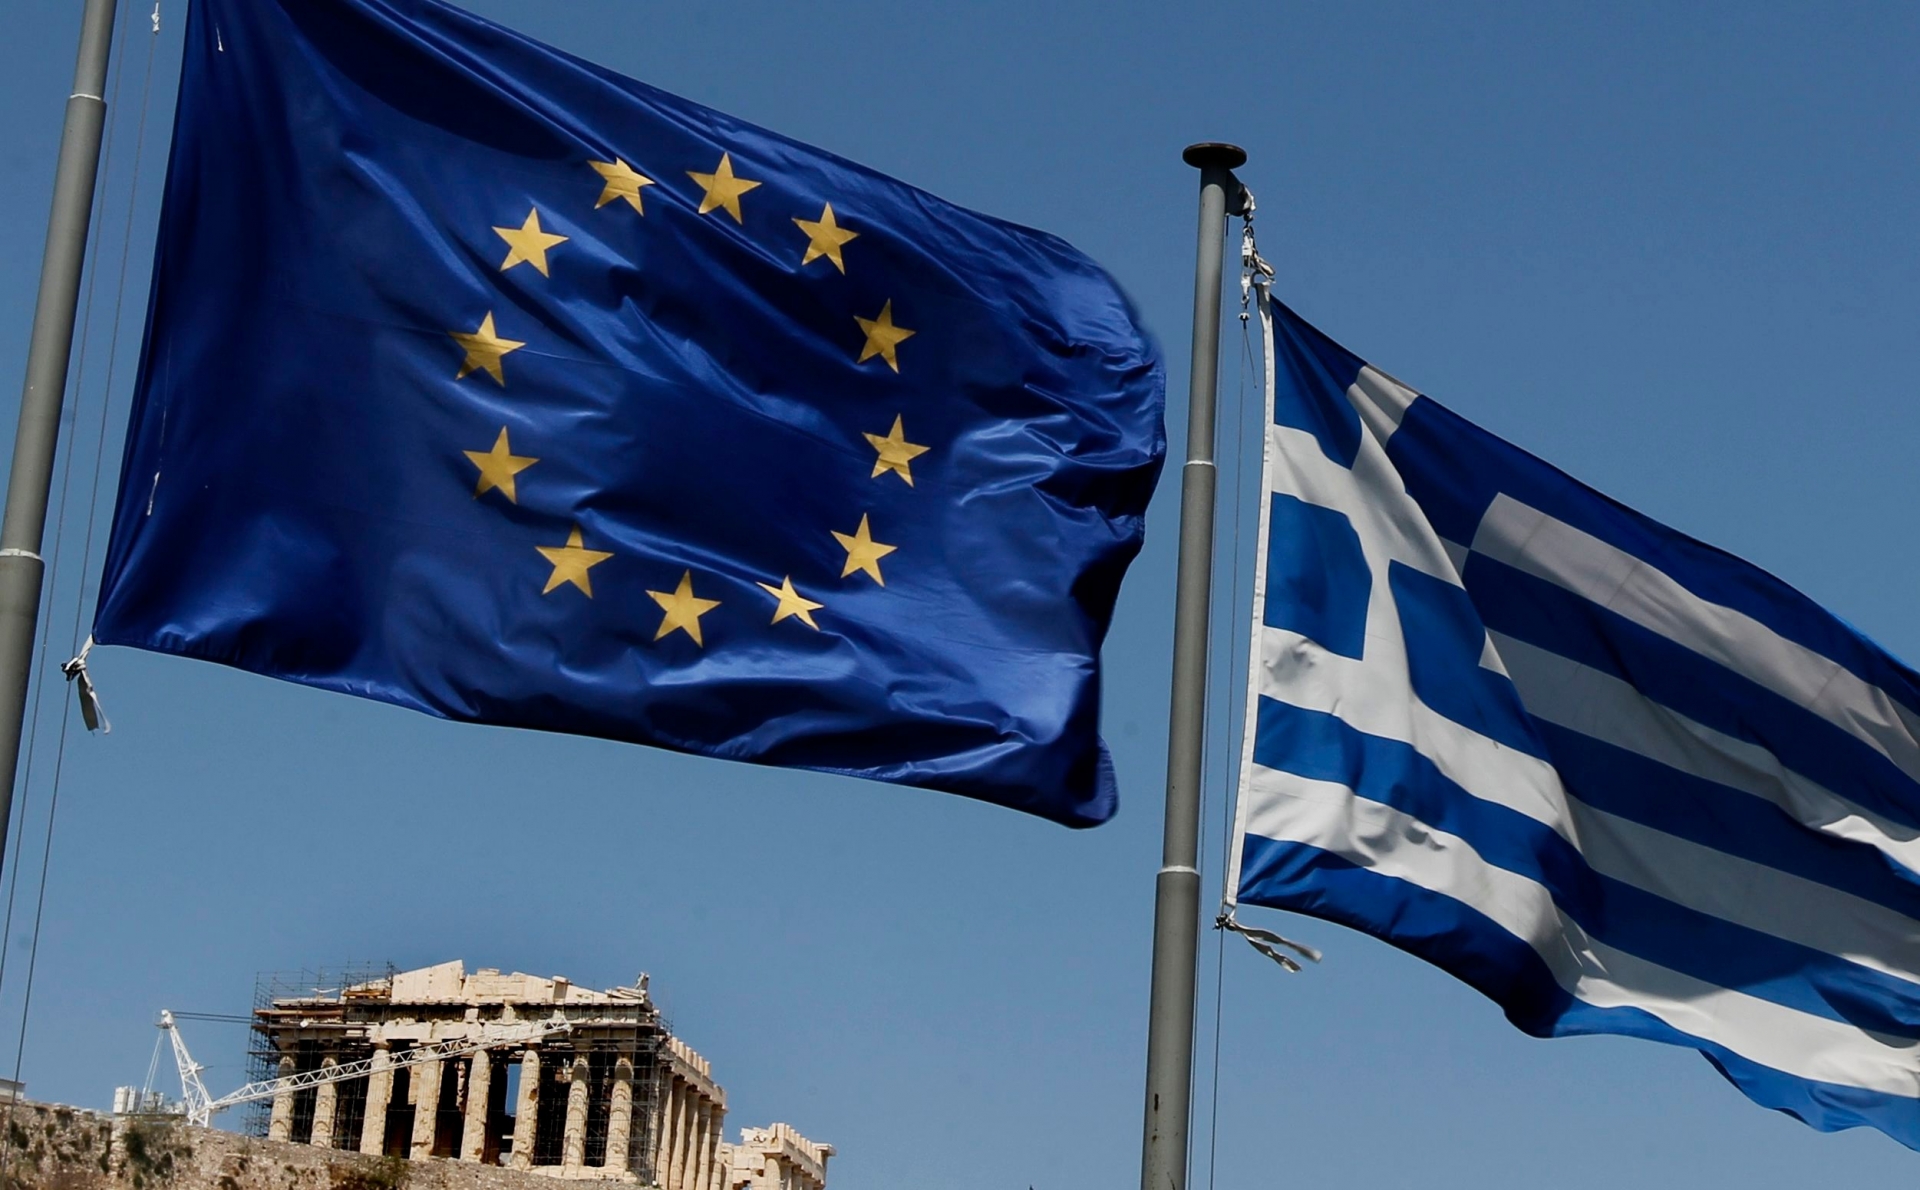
{"x": 1176, "y": 905}
{"x": 24, "y": 527}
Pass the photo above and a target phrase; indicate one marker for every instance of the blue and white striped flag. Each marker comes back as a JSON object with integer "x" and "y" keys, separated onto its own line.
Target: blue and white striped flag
{"x": 1617, "y": 780}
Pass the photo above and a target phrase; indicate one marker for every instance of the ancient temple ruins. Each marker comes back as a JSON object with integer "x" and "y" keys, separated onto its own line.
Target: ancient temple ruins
{"x": 516, "y": 1070}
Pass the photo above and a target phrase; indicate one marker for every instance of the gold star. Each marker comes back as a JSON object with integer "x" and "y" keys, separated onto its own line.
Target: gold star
{"x": 882, "y": 337}
{"x": 484, "y": 351}
{"x": 825, "y": 238}
{"x": 792, "y": 603}
{"x": 528, "y": 244}
{"x": 498, "y": 467}
{"x": 723, "y": 189}
{"x": 863, "y": 552}
{"x": 571, "y": 563}
{"x": 896, "y": 453}
{"x": 683, "y": 609}
{"x": 622, "y": 182}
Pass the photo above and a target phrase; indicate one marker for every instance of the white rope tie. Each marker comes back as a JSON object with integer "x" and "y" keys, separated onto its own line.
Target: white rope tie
{"x": 1254, "y": 269}
{"x": 1267, "y": 942}
{"x": 90, "y": 710}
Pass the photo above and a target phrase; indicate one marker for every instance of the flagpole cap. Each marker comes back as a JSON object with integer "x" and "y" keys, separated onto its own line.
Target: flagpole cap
{"x": 1209, "y": 152}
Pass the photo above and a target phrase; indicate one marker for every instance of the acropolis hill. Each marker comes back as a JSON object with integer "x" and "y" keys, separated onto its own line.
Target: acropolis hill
{"x": 435, "y": 1077}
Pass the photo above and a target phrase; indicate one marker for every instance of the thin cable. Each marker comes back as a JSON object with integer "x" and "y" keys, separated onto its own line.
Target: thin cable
{"x": 53, "y": 569}
{"x": 1209, "y": 714}
{"x": 153, "y": 1072}
{"x": 113, "y": 340}
{"x": 78, "y": 393}
{"x": 1226, "y": 822}
{"x": 66, "y": 711}
{"x": 1223, "y": 674}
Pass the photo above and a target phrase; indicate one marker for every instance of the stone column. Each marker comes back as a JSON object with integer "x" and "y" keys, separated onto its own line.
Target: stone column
{"x": 663, "y": 1125}
{"x": 573, "y": 1145}
{"x": 324, "y": 1098}
{"x": 696, "y": 1143}
{"x": 426, "y": 1106}
{"x": 373, "y": 1127}
{"x": 280, "y": 1123}
{"x": 689, "y": 1167}
{"x": 689, "y": 1120}
{"x": 683, "y": 1138}
{"x": 473, "y": 1137}
{"x": 703, "y": 1147}
{"x": 716, "y": 1144}
{"x": 620, "y": 1114}
{"x": 526, "y": 1109}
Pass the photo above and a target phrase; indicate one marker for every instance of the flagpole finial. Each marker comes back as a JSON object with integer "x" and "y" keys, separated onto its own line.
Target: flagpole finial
{"x": 1209, "y": 152}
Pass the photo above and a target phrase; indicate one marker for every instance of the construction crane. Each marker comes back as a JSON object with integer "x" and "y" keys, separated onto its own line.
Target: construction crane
{"x": 200, "y": 1107}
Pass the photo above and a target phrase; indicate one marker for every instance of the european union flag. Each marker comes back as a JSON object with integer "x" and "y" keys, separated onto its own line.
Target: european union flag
{"x": 483, "y": 381}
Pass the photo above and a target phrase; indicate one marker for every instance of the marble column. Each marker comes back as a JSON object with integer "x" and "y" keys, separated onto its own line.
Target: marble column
{"x": 325, "y": 1096}
{"x": 683, "y": 1144}
{"x": 373, "y": 1127}
{"x": 718, "y": 1141}
{"x": 280, "y": 1123}
{"x": 573, "y": 1138}
{"x": 677, "y": 1158}
{"x": 662, "y": 1140}
{"x": 703, "y": 1147}
{"x": 620, "y": 1115}
{"x": 426, "y": 1106}
{"x": 526, "y": 1109}
{"x": 473, "y": 1136}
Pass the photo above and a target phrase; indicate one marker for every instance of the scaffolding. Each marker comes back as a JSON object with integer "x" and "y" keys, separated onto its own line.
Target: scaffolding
{"x": 263, "y": 1057}
{"x": 308, "y": 1016}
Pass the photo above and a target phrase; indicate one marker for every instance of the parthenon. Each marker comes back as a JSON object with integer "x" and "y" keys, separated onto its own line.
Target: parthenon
{"x": 599, "y": 1088}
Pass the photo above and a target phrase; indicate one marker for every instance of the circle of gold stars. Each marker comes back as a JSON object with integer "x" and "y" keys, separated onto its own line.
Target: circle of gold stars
{"x": 570, "y": 565}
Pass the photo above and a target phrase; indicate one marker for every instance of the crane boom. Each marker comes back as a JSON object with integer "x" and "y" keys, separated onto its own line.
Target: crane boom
{"x": 193, "y": 1092}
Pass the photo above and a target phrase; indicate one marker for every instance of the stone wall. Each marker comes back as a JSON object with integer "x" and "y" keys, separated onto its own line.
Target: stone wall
{"x": 50, "y": 1147}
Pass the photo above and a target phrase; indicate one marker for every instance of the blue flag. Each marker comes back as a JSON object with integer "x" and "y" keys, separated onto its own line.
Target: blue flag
{"x": 484, "y": 381}
{"x": 1617, "y": 780}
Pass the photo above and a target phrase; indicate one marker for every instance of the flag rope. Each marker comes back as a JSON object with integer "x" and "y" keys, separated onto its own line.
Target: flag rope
{"x": 75, "y": 669}
{"x": 1257, "y": 285}
{"x": 1252, "y": 266}
{"x": 1226, "y": 839}
{"x": 38, "y": 693}
{"x": 53, "y": 571}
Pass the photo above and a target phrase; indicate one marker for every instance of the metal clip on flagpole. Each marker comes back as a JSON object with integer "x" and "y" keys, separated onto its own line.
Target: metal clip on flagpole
{"x": 1176, "y": 906}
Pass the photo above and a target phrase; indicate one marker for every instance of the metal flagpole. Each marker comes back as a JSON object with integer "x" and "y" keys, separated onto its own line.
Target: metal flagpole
{"x": 1176, "y": 905}
{"x": 47, "y": 353}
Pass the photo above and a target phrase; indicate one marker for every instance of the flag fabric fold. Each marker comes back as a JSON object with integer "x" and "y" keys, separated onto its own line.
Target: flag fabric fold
{"x": 1615, "y": 779}
{"x": 481, "y": 380}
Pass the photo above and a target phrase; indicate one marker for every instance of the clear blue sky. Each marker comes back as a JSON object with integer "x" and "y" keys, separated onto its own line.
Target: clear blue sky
{"x": 1671, "y": 248}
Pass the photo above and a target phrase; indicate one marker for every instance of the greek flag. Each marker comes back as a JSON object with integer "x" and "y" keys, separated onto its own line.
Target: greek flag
{"x": 1615, "y": 779}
